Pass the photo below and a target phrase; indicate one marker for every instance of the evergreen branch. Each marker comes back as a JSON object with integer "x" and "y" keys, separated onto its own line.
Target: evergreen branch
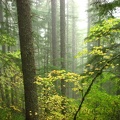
{"x": 6, "y": 7}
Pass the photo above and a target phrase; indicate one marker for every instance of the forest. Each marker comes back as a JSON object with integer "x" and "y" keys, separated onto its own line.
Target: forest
{"x": 59, "y": 59}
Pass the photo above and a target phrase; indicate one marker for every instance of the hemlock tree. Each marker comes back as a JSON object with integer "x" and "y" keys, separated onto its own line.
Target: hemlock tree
{"x": 27, "y": 56}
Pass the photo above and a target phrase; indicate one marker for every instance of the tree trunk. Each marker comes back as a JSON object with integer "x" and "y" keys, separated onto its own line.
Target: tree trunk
{"x": 1, "y": 27}
{"x": 54, "y": 44}
{"x": 27, "y": 56}
{"x": 118, "y": 82}
{"x": 88, "y": 26}
{"x": 73, "y": 37}
{"x": 62, "y": 49}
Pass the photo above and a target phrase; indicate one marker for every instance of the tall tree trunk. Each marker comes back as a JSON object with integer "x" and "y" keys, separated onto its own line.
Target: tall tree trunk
{"x": 62, "y": 49}
{"x": 1, "y": 26}
{"x": 54, "y": 38}
{"x": 62, "y": 33}
{"x": 1, "y": 14}
{"x": 7, "y": 21}
{"x": 62, "y": 41}
{"x": 67, "y": 35}
{"x": 118, "y": 82}
{"x": 73, "y": 38}
{"x": 88, "y": 25}
{"x": 68, "y": 89}
{"x": 27, "y": 56}
{"x": 73, "y": 43}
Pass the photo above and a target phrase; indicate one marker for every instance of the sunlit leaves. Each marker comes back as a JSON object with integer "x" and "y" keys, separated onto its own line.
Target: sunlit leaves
{"x": 107, "y": 33}
{"x": 60, "y": 75}
{"x": 104, "y": 30}
{"x": 50, "y": 96}
{"x": 83, "y": 52}
{"x": 97, "y": 50}
{"x": 10, "y": 57}
{"x": 7, "y": 39}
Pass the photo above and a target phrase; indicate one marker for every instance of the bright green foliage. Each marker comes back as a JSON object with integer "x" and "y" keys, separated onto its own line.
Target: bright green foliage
{"x": 7, "y": 39}
{"x": 100, "y": 106}
{"x": 11, "y": 86}
{"x": 8, "y": 114}
{"x": 104, "y": 31}
{"x": 104, "y": 57}
{"x": 50, "y": 97}
{"x": 107, "y": 33}
{"x": 7, "y": 58}
{"x": 101, "y": 103}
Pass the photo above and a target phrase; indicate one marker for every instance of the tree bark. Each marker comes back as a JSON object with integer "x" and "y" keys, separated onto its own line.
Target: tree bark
{"x": 62, "y": 49}
{"x": 54, "y": 42}
{"x": 73, "y": 37}
{"x": 62, "y": 41}
{"x": 27, "y": 56}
